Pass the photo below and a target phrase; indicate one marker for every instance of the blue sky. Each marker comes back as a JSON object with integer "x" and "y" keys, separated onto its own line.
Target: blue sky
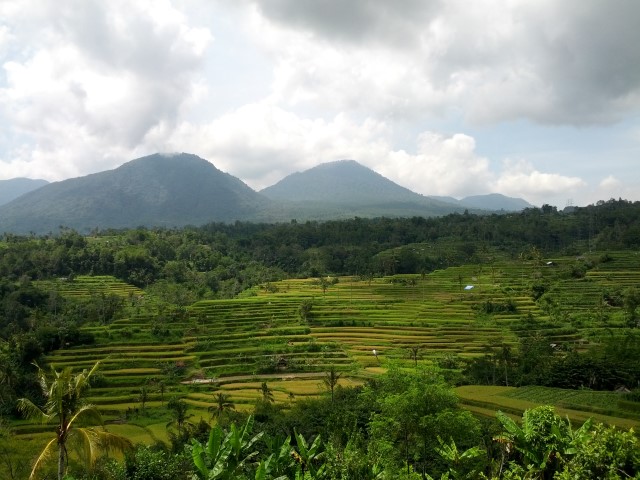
{"x": 539, "y": 100}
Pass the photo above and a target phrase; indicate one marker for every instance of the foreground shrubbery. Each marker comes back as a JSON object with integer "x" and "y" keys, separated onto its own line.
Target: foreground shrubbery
{"x": 400, "y": 425}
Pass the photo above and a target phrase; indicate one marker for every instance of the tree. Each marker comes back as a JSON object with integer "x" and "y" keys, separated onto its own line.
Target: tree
{"x": 325, "y": 282}
{"x": 414, "y": 353}
{"x": 304, "y": 310}
{"x": 631, "y": 303}
{"x": 461, "y": 464}
{"x": 222, "y": 405}
{"x": 331, "y": 379}
{"x": 144, "y": 396}
{"x": 162, "y": 386}
{"x": 606, "y": 452}
{"x": 179, "y": 413}
{"x": 65, "y": 406}
{"x": 267, "y": 394}
{"x": 9, "y": 452}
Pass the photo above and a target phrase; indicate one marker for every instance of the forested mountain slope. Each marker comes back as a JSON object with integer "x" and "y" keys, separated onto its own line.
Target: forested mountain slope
{"x": 158, "y": 190}
{"x": 14, "y": 187}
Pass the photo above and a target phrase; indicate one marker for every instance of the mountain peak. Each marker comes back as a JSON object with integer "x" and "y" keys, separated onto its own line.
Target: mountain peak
{"x": 15, "y": 187}
{"x": 156, "y": 190}
{"x": 341, "y": 181}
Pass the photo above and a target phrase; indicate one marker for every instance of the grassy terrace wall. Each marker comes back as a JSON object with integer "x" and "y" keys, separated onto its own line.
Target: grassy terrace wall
{"x": 232, "y": 346}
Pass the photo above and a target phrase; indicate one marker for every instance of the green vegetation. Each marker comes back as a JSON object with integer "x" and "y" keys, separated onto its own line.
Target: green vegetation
{"x": 351, "y": 332}
{"x": 66, "y": 407}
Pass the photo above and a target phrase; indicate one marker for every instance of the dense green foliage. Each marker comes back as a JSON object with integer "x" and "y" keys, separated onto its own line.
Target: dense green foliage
{"x": 66, "y": 296}
{"x": 402, "y": 425}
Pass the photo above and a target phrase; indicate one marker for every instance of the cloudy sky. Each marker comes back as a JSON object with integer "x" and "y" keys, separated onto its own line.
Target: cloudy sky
{"x": 534, "y": 99}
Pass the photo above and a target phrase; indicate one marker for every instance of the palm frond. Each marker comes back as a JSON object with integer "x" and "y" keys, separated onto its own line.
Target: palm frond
{"x": 110, "y": 441}
{"x": 46, "y": 453}
{"x": 31, "y": 411}
{"x": 86, "y": 442}
{"x": 88, "y": 411}
{"x": 91, "y": 441}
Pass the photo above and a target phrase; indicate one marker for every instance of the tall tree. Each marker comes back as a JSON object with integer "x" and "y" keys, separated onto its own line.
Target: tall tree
{"x": 66, "y": 407}
{"x": 223, "y": 403}
{"x": 267, "y": 394}
{"x": 331, "y": 379}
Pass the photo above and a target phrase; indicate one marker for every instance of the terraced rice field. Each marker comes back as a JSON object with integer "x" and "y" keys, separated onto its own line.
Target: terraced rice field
{"x": 578, "y": 406}
{"x": 85, "y": 285}
{"x": 232, "y": 346}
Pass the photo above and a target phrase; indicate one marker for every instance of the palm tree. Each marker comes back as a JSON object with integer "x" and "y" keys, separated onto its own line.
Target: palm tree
{"x": 267, "y": 394}
{"x": 66, "y": 407}
{"x": 144, "y": 396}
{"x": 331, "y": 379}
{"x": 179, "y": 413}
{"x": 222, "y": 405}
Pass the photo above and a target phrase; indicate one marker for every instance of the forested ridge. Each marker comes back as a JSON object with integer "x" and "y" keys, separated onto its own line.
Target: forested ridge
{"x": 404, "y": 423}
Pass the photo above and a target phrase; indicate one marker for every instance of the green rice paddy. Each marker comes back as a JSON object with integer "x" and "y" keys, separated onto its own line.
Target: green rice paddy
{"x": 232, "y": 346}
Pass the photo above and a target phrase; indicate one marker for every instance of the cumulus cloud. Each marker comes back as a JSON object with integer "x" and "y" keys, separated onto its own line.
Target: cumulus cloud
{"x": 441, "y": 166}
{"x": 612, "y": 187}
{"x": 553, "y": 62}
{"x": 86, "y": 85}
{"x": 520, "y": 178}
{"x": 262, "y": 143}
{"x": 94, "y": 78}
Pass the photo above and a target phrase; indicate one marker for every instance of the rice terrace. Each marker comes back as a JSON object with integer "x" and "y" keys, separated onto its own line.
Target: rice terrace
{"x": 511, "y": 324}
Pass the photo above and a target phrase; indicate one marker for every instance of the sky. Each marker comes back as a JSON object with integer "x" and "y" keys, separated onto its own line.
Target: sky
{"x": 532, "y": 99}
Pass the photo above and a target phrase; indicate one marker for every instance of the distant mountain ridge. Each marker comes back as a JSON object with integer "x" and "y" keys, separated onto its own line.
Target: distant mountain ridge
{"x": 183, "y": 189}
{"x": 491, "y": 201}
{"x": 342, "y": 181}
{"x": 15, "y": 187}
{"x": 157, "y": 190}
{"x": 346, "y": 184}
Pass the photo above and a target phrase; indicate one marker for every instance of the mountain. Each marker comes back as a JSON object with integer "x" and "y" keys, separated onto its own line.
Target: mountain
{"x": 492, "y": 201}
{"x": 183, "y": 189}
{"x": 347, "y": 188}
{"x": 14, "y": 187}
{"x": 496, "y": 201}
{"x": 157, "y": 190}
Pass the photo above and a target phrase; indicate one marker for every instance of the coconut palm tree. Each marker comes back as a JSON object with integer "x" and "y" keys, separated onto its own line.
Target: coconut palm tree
{"x": 223, "y": 403}
{"x": 66, "y": 407}
{"x": 331, "y": 379}
{"x": 267, "y": 394}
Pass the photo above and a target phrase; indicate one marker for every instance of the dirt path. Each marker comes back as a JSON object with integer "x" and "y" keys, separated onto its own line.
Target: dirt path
{"x": 278, "y": 376}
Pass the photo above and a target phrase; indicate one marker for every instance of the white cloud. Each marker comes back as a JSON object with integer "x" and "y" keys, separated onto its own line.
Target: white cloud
{"x": 441, "y": 166}
{"x": 552, "y": 62}
{"x": 613, "y": 187}
{"x": 86, "y": 85}
{"x": 93, "y": 79}
{"x": 520, "y": 178}
{"x": 610, "y": 182}
{"x": 261, "y": 143}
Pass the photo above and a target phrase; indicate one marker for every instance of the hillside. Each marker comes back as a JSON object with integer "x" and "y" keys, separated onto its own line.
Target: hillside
{"x": 14, "y": 187}
{"x": 491, "y": 201}
{"x": 212, "y": 323}
{"x": 345, "y": 186}
{"x": 157, "y": 190}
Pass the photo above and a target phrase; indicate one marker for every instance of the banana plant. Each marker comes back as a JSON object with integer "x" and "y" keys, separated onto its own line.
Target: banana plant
{"x": 280, "y": 459}
{"x": 308, "y": 458}
{"x": 224, "y": 456}
{"x": 457, "y": 459}
{"x": 544, "y": 440}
